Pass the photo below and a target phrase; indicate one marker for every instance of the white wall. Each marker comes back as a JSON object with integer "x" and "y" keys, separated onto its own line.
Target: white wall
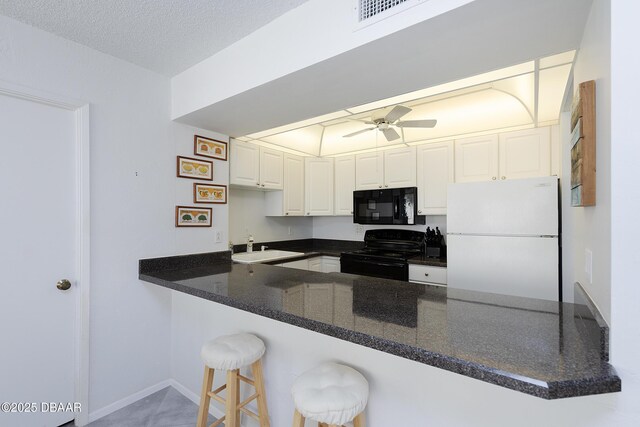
{"x": 625, "y": 205}
{"x": 590, "y": 227}
{"x": 194, "y": 240}
{"x": 343, "y": 228}
{"x": 322, "y": 28}
{"x": 246, "y": 211}
{"x": 132, "y": 216}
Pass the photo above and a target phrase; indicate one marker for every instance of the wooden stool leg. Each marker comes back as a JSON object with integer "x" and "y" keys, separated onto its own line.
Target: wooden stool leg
{"x": 258, "y": 380}
{"x": 205, "y": 399}
{"x": 298, "y": 419}
{"x": 238, "y": 414}
{"x": 231, "y": 410}
{"x": 358, "y": 421}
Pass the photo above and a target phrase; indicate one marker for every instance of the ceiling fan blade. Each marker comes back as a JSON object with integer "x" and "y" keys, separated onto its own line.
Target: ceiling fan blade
{"x": 390, "y": 134}
{"x": 357, "y": 133}
{"x": 397, "y": 112}
{"x": 367, "y": 122}
{"x": 416, "y": 123}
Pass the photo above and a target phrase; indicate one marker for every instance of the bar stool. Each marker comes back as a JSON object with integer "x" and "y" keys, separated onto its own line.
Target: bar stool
{"x": 231, "y": 353}
{"x": 330, "y": 394}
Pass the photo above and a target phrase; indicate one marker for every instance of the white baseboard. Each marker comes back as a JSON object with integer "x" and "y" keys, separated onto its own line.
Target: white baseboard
{"x": 195, "y": 398}
{"x": 129, "y": 400}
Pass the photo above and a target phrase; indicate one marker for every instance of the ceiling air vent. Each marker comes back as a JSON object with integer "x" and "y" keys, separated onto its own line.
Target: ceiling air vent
{"x": 370, "y": 8}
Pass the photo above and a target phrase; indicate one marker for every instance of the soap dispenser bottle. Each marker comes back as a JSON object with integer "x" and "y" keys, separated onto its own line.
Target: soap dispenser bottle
{"x": 250, "y": 244}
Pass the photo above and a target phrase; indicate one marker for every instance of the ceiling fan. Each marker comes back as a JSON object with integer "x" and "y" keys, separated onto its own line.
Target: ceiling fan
{"x": 392, "y": 118}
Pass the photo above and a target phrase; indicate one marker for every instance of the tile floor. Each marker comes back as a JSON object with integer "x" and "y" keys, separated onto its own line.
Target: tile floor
{"x": 165, "y": 408}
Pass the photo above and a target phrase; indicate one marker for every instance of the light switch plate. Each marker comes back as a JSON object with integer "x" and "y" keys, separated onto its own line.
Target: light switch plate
{"x": 218, "y": 236}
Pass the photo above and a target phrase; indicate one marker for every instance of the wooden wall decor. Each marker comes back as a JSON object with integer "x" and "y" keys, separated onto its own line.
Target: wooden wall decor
{"x": 583, "y": 145}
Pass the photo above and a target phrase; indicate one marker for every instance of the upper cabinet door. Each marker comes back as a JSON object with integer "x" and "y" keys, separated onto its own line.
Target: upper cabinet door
{"x": 369, "y": 171}
{"x": 271, "y": 169}
{"x": 244, "y": 164}
{"x": 344, "y": 184}
{"x": 293, "y": 185}
{"x": 318, "y": 183}
{"x": 435, "y": 172}
{"x": 476, "y": 159}
{"x": 400, "y": 168}
{"x": 525, "y": 153}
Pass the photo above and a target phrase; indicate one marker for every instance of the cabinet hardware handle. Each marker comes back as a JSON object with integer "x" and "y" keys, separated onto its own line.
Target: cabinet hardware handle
{"x": 351, "y": 212}
{"x": 262, "y": 185}
{"x": 286, "y": 213}
{"x": 426, "y": 274}
{"x": 504, "y": 177}
{"x": 258, "y": 184}
{"x": 308, "y": 213}
{"x": 419, "y": 211}
{"x": 494, "y": 178}
{"x": 379, "y": 186}
{"x": 385, "y": 186}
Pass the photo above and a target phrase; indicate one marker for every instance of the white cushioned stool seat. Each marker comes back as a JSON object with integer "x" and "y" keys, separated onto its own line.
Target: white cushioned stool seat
{"x": 330, "y": 393}
{"x": 232, "y": 352}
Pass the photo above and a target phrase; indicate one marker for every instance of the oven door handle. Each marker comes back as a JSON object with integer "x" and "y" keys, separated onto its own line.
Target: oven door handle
{"x": 395, "y": 264}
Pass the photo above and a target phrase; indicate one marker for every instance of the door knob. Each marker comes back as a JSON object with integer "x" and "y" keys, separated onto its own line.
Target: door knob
{"x": 63, "y": 284}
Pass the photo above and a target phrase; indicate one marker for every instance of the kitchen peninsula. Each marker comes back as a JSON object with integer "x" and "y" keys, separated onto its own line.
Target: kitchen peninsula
{"x": 541, "y": 348}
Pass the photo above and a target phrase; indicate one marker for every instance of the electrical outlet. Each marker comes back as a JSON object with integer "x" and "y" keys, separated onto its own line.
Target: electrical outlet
{"x": 289, "y": 231}
{"x": 588, "y": 265}
{"x": 218, "y": 236}
{"x": 359, "y": 229}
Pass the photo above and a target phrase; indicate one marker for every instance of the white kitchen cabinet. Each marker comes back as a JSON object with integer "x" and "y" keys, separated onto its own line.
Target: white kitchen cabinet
{"x": 318, "y": 182}
{"x": 476, "y": 159}
{"x": 301, "y": 264}
{"x": 510, "y": 155}
{"x": 255, "y": 167}
{"x": 315, "y": 264}
{"x": 318, "y": 302}
{"x": 400, "y": 168}
{"x": 525, "y": 153}
{"x": 330, "y": 264}
{"x": 427, "y": 274}
{"x": 386, "y": 169}
{"x": 271, "y": 169}
{"x": 289, "y": 201}
{"x": 244, "y": 167}
{"x": 435, "y": 172}
{"x": 344, "y": 184}
{"x": 369, "y": 170}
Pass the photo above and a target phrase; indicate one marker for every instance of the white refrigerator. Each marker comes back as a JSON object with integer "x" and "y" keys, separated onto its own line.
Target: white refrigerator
{"x": 503, "y": 237}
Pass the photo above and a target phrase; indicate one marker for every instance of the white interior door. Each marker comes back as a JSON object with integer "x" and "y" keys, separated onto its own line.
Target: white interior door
{"x": 37, "y": 249}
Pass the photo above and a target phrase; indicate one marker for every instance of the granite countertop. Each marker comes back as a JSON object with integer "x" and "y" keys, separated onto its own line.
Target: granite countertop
{"x": 546, "y": 349}
{"x": 327, "y": 247}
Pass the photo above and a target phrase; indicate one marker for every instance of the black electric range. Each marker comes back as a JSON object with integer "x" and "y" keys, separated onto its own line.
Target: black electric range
{"x": 385, "y": 254}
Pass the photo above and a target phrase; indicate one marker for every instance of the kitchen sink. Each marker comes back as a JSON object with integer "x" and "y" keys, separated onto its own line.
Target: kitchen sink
{"x": 263, "y": 256}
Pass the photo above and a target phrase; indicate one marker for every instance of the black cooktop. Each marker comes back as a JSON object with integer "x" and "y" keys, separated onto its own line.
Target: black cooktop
{"x": 385, "y": 253}
{"x": 391, "y": 244}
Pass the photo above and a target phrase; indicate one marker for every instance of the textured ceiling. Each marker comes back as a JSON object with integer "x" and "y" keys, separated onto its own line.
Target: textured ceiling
{"x": 166, "y": 36}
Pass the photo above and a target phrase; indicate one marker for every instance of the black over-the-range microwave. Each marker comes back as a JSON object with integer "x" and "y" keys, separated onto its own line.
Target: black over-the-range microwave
{"x": 397, "y": 206}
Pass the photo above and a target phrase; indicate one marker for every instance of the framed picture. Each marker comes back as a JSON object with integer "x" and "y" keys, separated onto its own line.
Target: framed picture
{"x": 191, "y": 216}
{"x": 209, "y": 193}
{"x": 194, "y": 168}
{"x": 209, "y": 148}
